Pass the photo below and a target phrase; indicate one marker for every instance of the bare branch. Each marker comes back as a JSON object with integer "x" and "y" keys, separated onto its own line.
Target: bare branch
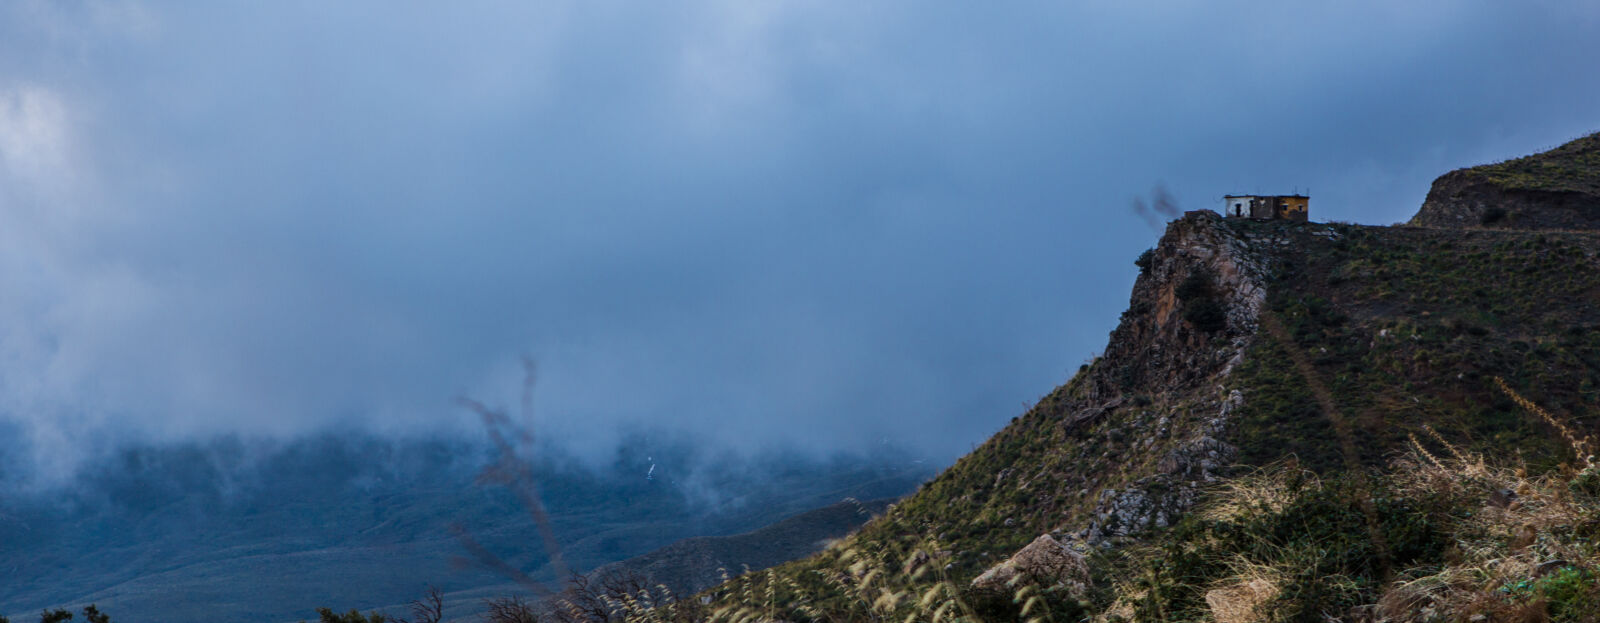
{"x": 429, "y": 609}
{"x": 510, "y": 610}
{"x": 512, "y": 471}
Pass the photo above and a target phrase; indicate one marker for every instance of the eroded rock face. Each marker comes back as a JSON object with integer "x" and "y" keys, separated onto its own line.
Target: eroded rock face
{"x": 1159, "y": 343}
{"x": 1467, "y": 198}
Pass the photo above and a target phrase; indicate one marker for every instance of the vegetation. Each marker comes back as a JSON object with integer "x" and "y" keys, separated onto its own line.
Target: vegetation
{"x": 1468, "y": 536}
{"x": 1201, "y": 306}
{"x": 353, "y": 616}
{"x": 91, "y": 614}
{"x": 1573, "y": 167}
{"x": 1463, "y": 536}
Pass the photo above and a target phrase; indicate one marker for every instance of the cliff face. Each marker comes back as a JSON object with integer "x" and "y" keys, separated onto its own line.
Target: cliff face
{"x": 1192, "y": 310}
{"x": 1192, "y": 316}
{"x": 1557, "y": 189}
{"x": 1126, "y": 445}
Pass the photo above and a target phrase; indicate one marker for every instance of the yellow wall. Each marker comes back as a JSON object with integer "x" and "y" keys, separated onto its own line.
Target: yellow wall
{"x": 1293, "y": 207}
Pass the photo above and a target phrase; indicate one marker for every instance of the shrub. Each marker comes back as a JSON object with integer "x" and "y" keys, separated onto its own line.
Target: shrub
{"x": 1145, "y": 261}
{"x": 353, "y": 616}
{"x": 55, "y": 616}
{"x": 1206, "y": 315}
{"x": 1195, "y": 286}
{"x": 1571, "y": 594}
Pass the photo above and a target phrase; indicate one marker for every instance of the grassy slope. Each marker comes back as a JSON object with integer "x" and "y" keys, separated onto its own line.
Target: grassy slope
{"x": 1405, "y": 326}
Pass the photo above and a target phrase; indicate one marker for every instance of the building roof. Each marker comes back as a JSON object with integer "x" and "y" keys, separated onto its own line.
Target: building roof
{"x": 1248, "y": 196}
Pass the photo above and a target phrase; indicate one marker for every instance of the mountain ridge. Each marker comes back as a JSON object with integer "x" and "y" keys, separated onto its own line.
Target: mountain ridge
{"x": 1323, "y": 349}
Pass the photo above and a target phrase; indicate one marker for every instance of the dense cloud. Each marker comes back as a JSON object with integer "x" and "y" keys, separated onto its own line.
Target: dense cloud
{"x": 817, "y": 224}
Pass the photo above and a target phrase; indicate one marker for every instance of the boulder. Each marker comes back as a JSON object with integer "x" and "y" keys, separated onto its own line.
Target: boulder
{"x": 1046, "y": 560}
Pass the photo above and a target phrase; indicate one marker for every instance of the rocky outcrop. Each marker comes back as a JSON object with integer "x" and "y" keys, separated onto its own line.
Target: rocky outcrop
{"x": 1469, "y": 198}
{"x": 1045, "y": 560}
{"x": 1194, "y": 313}
{"x": 1156, "y": 501}
{"x": 1168, "y": 338}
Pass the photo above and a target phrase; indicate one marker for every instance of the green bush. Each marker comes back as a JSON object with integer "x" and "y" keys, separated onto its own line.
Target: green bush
{"x": 1586, "y": 483}
{"x": 1570, "y": 594}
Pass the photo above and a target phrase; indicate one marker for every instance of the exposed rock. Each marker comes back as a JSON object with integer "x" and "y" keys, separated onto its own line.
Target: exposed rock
{"x": 1197, "y": 459}
{"x": 1157, "y": 501}
{"x": 1046, "y": 560}
{"x": 1156, "y": 345}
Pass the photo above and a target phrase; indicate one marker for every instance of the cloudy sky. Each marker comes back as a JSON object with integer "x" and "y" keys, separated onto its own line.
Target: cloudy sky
{"x": 820, "y": 223}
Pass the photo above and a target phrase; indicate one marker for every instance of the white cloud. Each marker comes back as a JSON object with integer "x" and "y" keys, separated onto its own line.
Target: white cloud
{"x": 35, "y": 138}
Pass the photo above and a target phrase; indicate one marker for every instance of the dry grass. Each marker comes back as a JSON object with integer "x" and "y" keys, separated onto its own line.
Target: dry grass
{"x": 1244, "y": 597}
{"x": 1271, "y": 489}
{"x": 1242, "y": 602}
{"x": 1514, "y": 534}
{"x": 1582, "y": 445}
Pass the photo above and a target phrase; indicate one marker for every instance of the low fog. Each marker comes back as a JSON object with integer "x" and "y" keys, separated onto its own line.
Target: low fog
{"x": 815, "y": 227}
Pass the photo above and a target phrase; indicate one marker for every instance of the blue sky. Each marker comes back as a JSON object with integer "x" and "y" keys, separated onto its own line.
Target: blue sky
{"x": 819, "y": 224}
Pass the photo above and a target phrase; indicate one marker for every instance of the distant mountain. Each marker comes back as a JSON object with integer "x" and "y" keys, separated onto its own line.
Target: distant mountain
{"x": 698, "y": 563}
{"x": 247, "y": 531}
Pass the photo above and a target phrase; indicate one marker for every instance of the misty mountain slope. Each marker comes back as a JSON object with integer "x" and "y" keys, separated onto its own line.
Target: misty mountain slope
{"x": 183, "y": 533}
{"x": 1326, "y": 348}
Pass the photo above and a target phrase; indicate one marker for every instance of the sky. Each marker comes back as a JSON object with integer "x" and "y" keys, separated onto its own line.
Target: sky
{"x": 825, "y": 225}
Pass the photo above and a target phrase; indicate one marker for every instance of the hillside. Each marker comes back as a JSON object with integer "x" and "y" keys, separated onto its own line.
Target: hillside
{"x": 1262, "y": 409}
{"x": 1557, "y": 189}
{"x": 271, "y": 532}
{"x": 698, "y": 563}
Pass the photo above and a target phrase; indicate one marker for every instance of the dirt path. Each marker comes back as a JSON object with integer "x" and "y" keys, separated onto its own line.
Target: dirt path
{"x": 1341, "y": 428}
